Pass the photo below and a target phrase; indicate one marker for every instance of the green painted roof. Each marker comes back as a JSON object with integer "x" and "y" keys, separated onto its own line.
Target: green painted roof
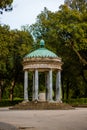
{"x": 41, "y": 52}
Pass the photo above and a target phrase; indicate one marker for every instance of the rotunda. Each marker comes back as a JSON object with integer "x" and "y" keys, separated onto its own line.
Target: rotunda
{"x": 42, "y": 60}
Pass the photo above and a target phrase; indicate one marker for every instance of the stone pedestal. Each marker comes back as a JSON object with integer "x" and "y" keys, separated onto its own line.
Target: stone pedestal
{"x": 42, "y": 96}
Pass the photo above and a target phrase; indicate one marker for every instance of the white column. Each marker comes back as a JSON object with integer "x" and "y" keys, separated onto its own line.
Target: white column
{"x": 47, "y": 86}
{"x": 26, "y": 86}
{"x": 50, "y": 86}
{"x": 36, "y": 84}
{"x": 33, "y": 89}
{"x": 58, "y": 86}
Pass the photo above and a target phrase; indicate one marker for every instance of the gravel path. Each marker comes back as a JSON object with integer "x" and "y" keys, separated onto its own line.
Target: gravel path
{"x": 43, "y": 119}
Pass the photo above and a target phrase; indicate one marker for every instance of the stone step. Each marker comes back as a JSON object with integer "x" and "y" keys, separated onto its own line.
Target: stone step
{"x": 41, "y": 106}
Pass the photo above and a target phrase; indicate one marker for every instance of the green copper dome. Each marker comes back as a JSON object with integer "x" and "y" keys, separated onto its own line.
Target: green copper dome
{"x": 41, "y": 52}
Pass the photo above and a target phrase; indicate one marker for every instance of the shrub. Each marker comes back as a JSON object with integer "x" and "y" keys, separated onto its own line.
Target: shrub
{"x": 5, "y": 103}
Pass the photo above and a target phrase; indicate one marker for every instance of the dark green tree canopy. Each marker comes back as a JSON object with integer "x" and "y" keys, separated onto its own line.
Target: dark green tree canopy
{"x": 5, "y": 5}
{"x": 65, "y": 33}
{"x": 80, "y": 5}
{"x": 14, "y": 44}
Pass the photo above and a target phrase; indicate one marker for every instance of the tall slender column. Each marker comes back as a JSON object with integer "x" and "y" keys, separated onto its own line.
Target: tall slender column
{"x": 36, "y": 84}
{"x": 50, "y": 85}
{"x": 26, "y": 86}
{"x": 33, "y": 91}
{"x": 58, "y": 86}
{"x": 47, "y": 86}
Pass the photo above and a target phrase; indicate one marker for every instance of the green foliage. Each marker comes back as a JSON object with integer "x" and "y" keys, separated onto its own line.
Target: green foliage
{"x": 5, "y": 103}
{"x": 65, "y": 33}
{"x": 76, "y": 101}
{"x": 4, "y": 51}
{"x": 14, "y": 45}
{"x": 80, "y": 5}
{"x": 5, "y": 5}
{"x": 67, "y": 26}
{"x": 19, "y": 91}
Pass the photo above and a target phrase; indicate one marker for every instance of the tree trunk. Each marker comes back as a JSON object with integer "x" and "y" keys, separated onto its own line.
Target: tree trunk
{"x": 1, "y": 85}
{"x": 67, "y": 90}
{"x": 84, "y": 62}
{"x": 83, "y": 76}
{"x": 12, "y": 90}
{"x": 0, "y": 93}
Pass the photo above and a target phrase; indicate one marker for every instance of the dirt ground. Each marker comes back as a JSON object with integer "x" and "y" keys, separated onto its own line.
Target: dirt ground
{"x": 75, "y": 119}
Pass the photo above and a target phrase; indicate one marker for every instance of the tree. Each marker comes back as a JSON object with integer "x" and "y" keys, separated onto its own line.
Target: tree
{"x": 4, "y": 51}
{"x": 80, "y": 5}
{"x": 14, "y": 45}
{"x": 71, "y": 26}
{"x": 5, "y": 5}
{"x": 23, "y": 43}
{"x": 65, "y": 32}
{"x": 73, "y": 32}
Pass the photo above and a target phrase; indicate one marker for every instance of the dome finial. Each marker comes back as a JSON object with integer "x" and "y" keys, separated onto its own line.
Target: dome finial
{"x": 42, "y": 43}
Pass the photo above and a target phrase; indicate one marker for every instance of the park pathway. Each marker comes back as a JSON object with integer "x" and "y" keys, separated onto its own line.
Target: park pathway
{"x": 75, "y": 119}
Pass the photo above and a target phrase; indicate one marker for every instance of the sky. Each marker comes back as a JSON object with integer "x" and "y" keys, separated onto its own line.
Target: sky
{"x": 25, "y": 12}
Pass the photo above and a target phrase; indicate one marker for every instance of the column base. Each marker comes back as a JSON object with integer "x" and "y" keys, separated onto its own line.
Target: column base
{"x": 50, "y": 101}
{"x": 25, "y": 101}
{"x": 58, "y": 101}
{"x": 35, "y": 101}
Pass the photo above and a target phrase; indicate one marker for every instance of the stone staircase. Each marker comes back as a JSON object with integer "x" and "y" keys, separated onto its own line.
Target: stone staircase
{"x": 41, "y": 106}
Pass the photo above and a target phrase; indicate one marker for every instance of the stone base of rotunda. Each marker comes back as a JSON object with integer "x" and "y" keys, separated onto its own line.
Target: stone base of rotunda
{"x": 41, "y": 105}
